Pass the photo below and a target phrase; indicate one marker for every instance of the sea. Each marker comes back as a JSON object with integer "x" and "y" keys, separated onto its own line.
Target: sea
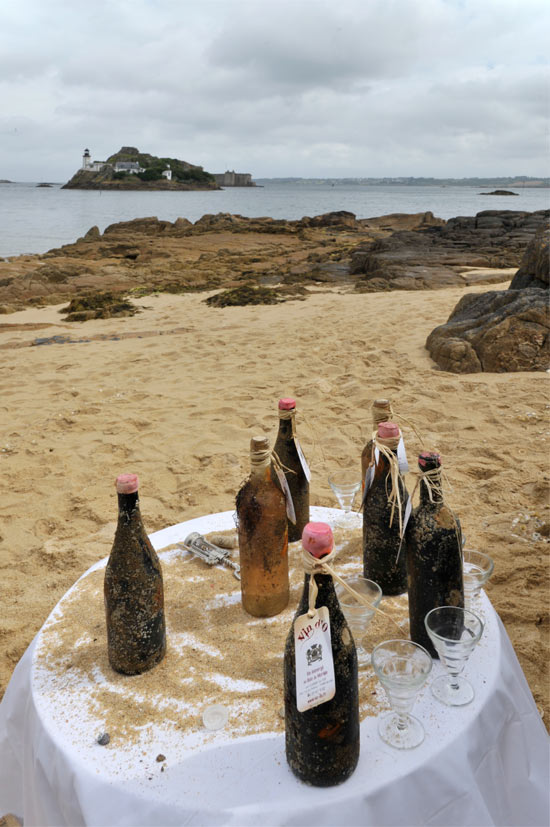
{"x": 36, "y": 219}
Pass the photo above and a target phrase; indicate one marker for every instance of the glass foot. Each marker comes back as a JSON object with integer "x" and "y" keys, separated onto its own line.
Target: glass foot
{"x": 459, "y": 694}
{"x": 398, "y": 736}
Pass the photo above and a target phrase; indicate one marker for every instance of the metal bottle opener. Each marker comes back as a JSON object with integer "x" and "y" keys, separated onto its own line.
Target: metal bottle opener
{"x": 207, "y": 551}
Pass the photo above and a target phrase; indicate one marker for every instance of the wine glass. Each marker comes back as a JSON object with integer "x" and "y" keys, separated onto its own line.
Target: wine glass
{"x": 402, "y": 668}
{"x": 345, "y": 484}
{"x": 477, "y": 569}
{"x": 454, "y": 633}
{"x": 357, "y": 614}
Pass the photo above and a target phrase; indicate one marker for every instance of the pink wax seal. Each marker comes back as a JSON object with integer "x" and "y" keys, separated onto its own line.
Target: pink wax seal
{"x": 388, "y": 430}
{"x": 429, "y": 458}
{"x": 127, "y": 483}
{"x": 317, "y": 539}
{"x": 287, "y": 404}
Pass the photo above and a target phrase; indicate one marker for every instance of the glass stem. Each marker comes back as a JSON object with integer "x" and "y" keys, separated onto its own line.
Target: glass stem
{"x": 402, "y": 721}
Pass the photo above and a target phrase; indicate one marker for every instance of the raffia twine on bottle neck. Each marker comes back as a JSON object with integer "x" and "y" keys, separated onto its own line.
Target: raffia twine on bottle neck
{"x": 381, "y": 413}
{"x": 385, "y": 413}
{"x": 312, "y": 565}
{"x": 291, "y": 414}
{"x": 433, "y": 480}
{"x": 387, "y": 448}
{"x": 260, "y": 460}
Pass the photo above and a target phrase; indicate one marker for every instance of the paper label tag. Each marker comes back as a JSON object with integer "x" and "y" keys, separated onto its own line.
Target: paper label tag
{"x": 408, "y": 509}
{"x": 303, "y": 460}
{"x": 315, "y": 682}
{"x": 290, "y": 511}
{"x": 402, "y": 457}
{"x": 369, "y": 476}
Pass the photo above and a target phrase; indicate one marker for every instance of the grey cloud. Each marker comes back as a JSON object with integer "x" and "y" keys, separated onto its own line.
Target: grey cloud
{"x": 297, "y": 88}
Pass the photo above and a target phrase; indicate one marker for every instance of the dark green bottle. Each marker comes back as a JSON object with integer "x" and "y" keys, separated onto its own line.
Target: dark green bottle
{"x": 383, "y": 561}
{"x": 322, "y": 743}
{"x": 133, "y": 590}
{"x": 434, "y": 553}
{"x": 287, "y": 451}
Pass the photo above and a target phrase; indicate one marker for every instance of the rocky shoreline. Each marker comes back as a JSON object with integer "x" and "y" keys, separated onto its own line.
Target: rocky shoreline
{"x": 399, "y": 251}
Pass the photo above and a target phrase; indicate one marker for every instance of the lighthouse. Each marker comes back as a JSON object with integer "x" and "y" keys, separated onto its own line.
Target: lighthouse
{"x": 86, "y": 160}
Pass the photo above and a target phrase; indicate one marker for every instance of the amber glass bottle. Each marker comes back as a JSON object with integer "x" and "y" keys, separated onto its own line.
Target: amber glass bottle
{"x": 383, "y": 562}
{"x": 381, "y": 412}
{"x": 133, "y": 590}
{"x": 263, "y": 536}
{"x": 287, "y": 451}
{"x": 322, "y": 743}
{"x": 434, "y": 553}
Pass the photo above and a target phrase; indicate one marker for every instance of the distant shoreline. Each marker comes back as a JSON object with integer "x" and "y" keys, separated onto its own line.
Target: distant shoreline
{"x": 531, "y": 183}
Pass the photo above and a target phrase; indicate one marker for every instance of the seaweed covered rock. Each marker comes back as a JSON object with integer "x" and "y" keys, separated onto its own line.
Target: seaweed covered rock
{"x": 98, "y": 306}
{"x": 504, "y": 330}
{"x": 248, "y": 294}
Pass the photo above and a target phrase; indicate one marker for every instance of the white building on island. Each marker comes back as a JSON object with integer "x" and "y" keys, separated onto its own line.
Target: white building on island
{"x": 131, "y": 167}
{"x": 92, "y": 166}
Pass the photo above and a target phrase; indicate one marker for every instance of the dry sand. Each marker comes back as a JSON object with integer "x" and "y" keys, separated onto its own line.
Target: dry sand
{"x": 177, "y": 397}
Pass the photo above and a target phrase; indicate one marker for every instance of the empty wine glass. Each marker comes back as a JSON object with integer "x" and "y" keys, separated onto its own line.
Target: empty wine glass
{"x": 402, "y": 668}
{"x": 454, "y": 632}
{"x": 357, "y": 614}
{"x": 345, "y": 483}
{"x": 477, "y": 569}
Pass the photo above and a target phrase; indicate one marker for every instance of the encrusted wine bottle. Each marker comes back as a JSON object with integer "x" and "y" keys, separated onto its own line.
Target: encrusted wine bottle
{"x": 133, "y": 590}
{"x": 263, "y": 536}
{"x": 322, "y": 742}
{"x": 434, "y": 552}
{"x": 381, "y": 412}
{"x": 385, "y": 498}
{"x": 289, "y": 452}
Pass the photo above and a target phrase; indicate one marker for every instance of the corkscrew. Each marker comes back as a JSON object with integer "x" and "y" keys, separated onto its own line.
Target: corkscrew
{"x": 207, "y": 551}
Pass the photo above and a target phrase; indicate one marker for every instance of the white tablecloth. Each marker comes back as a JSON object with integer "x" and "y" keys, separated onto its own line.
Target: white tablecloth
{"x": 483, "y": 764}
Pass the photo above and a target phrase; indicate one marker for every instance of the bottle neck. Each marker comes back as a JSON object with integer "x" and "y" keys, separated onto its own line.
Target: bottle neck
{"x": 326, "y": 595}
{"x": 259, "y": 466}
{"x": 380, "y": 415}
{"x": 287, "y": 424}
{"x": 128, "y": 507}
{"x": 430, "y": 488}
{"x": 383, "y": 461}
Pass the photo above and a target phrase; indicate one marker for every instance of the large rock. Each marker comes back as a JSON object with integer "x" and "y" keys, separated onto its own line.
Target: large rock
{"x": 404, "y": 221}
{"x": 339, "y": 218}
{"x": 535, "y": 266}
{"x": 501, "y": 331}
{"x": 435, "y": 256}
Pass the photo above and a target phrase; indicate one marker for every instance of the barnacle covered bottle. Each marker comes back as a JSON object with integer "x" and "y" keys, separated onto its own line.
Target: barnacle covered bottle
{"x": 263, "y": 536}
{"x": 384, "y": 509}
{"x": 321, "y": 711}
{"x": 434, "y": 552}
{"x": 133, "y": 589}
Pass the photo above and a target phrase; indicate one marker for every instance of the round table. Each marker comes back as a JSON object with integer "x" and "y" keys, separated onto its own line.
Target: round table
{"x": 486, "y": 763}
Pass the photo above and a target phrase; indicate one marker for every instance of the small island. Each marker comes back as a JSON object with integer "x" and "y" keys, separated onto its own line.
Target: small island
{"x": 499, "y": 192}
{"x": 130, "y": 169}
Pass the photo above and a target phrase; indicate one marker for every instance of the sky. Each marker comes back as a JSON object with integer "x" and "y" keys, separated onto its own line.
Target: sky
{"x": 277, "y": 88}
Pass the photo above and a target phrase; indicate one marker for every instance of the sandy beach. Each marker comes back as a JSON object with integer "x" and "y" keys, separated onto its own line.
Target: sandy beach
{"x": 175, "y": 393}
